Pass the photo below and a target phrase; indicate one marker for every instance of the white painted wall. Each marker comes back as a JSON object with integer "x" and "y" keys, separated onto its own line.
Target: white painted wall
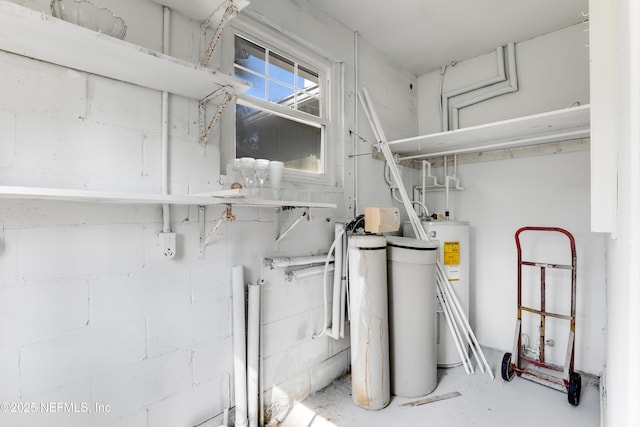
{"x": 502, "y": 195}
{"x": 90, "y": 311}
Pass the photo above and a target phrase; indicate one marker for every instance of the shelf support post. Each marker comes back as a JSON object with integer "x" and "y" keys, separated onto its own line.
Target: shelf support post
{"x": 290, "y": 227}
{"x": 227, "y": 215}
{"x": 205, "y": 130}
{"x": 230, "y": 11}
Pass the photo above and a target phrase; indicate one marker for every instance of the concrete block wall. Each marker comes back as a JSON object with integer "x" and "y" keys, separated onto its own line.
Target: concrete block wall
{"x": 90, "y": 312}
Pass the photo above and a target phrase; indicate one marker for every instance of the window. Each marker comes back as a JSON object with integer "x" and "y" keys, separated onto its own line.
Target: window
{"x": 284, "y": 116}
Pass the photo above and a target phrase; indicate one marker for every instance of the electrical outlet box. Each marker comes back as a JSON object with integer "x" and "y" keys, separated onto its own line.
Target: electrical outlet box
{"x": 167, "y": 244}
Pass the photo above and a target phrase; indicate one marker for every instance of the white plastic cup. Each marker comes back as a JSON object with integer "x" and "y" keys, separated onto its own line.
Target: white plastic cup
{"x": 275, "y": 176}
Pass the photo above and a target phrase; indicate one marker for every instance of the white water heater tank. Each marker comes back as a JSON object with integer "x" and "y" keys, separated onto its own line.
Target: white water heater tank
{"x": 454, "y": 250}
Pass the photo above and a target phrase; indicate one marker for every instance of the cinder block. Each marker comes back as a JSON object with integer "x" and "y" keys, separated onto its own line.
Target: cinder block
{"x": 137, "y": 419}
{"x": 286, "y": 333}
{"x": 191, "y": 407}
{"x": 290, "y": 391}
{"x": 144, "y": 383}
{"x": 77, "y": 147}
{"x": 250, "y": 239}
{"x": 123, "y": 105}
{"x": 137, "y": 295}
{"x": 190, "y": 170}
{"x": 189, "y": 325}
{"x": 8, "y": 138}
{"x": 213, "y": 360}
{"x": 275, "y": 304}
{"x": 79, "y": 250}
{"x": 211, "y": 281}
{"x": 70, "y": 405}
{"x": 37, "y": 87}
{"x": 329, "y": 370}
{"x": 54, "y": 362}
{"x": 152, "y": 155}
{"x": 9, "y": 372}
{"x": 8, "y": 255}
{"x": 34, "y": 311}
{"x": 309, "y": 353}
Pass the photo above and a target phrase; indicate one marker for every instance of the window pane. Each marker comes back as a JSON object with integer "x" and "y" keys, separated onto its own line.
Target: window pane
{"x": 280, "y": 94}
{"x": 249, "y": 55}
{"x": 260, "y": 134}
{"x": 307, "y": 79}
{"x": 280, "y": 68}
{"x": 308, "y": 104}
{"x": 258, "y": 86}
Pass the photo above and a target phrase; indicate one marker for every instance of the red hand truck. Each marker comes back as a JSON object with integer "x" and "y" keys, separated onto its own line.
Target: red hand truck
{"x": 561, "y": 378}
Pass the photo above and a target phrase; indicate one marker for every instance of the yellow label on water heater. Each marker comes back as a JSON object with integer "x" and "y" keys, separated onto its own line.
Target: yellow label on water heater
{"x": 451, "y": 253}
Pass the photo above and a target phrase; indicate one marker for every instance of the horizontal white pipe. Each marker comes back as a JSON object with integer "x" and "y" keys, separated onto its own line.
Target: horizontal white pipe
{"x": 281, "y": 262}
{"x": 239, "y": 346}
{"x": 306, "y": 272}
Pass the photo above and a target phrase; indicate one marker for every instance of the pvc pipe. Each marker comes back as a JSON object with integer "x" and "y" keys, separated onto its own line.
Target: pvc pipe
{"x": 456, "y": 337}
{"x": 356, "y": 83}
{"x": 253, "y": 353}
{"x": 306, "y": 272}
{"x": 474, "y": 341}
{"x": 413, "y": 217}
{"x": 239, "y": 346}
{"x": 334, "y": 332}
{"x": 281, "y": 262}
{"x": 325, "y": 325}
{"x": 457, "y": 316}
{"x": 343, "y": 285}
{"x": 166, "y": 212}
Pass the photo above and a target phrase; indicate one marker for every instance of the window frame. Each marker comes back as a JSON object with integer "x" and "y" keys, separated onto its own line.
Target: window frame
{"x": 330, "y": 75}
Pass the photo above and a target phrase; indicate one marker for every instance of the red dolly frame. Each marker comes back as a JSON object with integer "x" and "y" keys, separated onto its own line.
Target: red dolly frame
{"x": 570, "y": 382}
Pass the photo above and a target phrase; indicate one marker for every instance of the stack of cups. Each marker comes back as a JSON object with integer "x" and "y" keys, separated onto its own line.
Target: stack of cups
{"x": 275, "y": 176}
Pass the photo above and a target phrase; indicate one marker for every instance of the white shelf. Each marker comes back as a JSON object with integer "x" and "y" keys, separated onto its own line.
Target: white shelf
{"x": 36, "y": 35}
{"x": 70, "y": 195}
{"x": 554, "y": 126}
{"x": 199, "y": 10}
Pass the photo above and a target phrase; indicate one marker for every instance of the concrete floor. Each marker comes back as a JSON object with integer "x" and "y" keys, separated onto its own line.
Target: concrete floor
{"x": 482, "y": 402}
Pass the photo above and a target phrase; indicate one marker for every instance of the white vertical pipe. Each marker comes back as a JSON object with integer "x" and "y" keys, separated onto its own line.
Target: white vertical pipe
{"x": 355, "y": 124}
{"x": 423, "y": 197}
{"x": 334, "y": 332}
{"x": 166, "y": 217}
{"x": 239, "y": 346}
{"x": 344, "y": 303}
{"x": 253, "y": 353}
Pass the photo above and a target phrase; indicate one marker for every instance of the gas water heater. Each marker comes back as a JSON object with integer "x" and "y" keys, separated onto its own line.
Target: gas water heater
{"x": 453, "y": 251}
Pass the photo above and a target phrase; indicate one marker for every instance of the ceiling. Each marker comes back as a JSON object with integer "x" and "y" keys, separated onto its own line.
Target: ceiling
{"x": 423, "y": 35}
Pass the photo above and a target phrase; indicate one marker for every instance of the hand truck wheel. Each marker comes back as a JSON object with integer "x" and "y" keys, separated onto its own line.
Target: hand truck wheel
{"x": 507, "y": 369}
{"x": 575, "y": 385}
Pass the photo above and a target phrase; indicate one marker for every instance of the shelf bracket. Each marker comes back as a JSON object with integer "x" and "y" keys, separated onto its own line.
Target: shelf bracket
{"x": 205, "y": 130}
{"x": 227, "y": 215}
{"x": 230, "y": 11}
{"x": 290, "y": 227}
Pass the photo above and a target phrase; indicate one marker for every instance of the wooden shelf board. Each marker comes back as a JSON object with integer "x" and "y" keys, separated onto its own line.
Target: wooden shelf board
{"x": 554, "y": 126}
{"x": 25, "y": 32}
